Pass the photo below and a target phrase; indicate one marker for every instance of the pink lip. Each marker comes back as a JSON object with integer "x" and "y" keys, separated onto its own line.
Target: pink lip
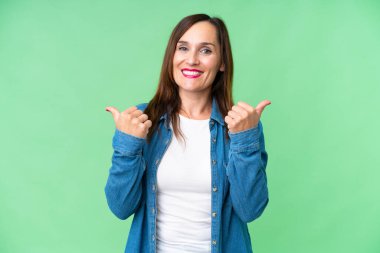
{"x": 192, "y": 76}
{"x": 191, "y": 70}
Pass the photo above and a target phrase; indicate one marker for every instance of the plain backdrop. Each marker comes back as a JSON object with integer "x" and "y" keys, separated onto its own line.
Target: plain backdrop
{"x": 63, "y": 62}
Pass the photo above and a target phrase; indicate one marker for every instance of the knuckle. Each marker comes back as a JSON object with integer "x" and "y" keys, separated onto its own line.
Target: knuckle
{"x": 135, "y": 121}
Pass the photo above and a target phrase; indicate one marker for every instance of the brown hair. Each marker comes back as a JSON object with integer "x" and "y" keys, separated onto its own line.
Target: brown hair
{"x": 167, "y": 99}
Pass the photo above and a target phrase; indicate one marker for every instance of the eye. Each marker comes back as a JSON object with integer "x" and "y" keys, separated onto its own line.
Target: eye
{"x": 206, "y": 51}
{"x": 182, "y": 48}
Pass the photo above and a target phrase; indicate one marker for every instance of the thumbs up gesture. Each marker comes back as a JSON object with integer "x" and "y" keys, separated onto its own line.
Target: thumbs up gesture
{"x": 131, "y": 121}
{"x": 242, "y": 116}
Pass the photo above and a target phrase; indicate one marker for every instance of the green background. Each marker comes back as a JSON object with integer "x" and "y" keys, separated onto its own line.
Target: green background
{"x": 63, "y": 62}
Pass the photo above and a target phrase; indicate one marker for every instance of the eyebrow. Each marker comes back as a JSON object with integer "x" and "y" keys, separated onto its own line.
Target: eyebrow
{"x": 202, "y": 43}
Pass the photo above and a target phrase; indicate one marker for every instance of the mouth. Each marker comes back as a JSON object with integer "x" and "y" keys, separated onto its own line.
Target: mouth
{"x": 191, "y": 73}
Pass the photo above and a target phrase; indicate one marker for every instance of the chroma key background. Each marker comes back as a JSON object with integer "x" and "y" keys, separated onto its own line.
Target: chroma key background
{"x": 63, "y": 62}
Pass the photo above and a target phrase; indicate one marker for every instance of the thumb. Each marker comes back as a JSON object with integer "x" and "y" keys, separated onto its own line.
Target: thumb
{"x": 261, "y": 106}
{"x": 115, "y": 112}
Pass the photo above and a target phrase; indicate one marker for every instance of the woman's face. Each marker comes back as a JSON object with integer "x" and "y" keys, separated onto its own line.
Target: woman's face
{"x": 197, "y": 59}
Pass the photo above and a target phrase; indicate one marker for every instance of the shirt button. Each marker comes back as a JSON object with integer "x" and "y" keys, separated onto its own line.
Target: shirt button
{"x": 153, "y": 238}
{"x": 213, "y": 242}
{"x": 214, "y": 189}
{"x": 213, "y": 214}
{"x": 152, "y": 210}
{"x": 213, "y": 140}
{"x": 213, "y": 162}
{"x": 154, "y": 187}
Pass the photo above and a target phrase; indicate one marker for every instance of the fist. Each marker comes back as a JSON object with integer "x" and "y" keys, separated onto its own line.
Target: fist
{"x": 243, "y": 116}
{"x": 131, "y": 121}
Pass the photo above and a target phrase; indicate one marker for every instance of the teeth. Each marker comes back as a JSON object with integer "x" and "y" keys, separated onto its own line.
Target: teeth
{"x": 191, "y": 73}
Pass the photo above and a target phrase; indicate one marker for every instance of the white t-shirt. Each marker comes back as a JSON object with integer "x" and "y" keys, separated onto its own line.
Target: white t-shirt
{"x": 184, "y": 191}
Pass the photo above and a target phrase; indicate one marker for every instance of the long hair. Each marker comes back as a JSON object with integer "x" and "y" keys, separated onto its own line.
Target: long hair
{"x": 167, "y": 99}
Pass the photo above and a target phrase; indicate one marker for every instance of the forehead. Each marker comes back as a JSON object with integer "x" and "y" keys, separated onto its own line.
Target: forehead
{"x": 200, "y": 32}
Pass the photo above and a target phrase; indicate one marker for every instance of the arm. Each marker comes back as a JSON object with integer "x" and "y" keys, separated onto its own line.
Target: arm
{"x": 246, "y": 173}
{"x": 123, "y": 189}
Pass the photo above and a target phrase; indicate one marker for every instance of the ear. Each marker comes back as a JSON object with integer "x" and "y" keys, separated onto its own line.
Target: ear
{"x": 221, "y": 69}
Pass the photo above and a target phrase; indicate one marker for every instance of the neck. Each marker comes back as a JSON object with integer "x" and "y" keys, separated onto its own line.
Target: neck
{"x": 195, "y": 107}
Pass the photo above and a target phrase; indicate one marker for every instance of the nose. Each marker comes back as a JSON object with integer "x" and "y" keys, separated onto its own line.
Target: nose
{"x": 192, "y": 58}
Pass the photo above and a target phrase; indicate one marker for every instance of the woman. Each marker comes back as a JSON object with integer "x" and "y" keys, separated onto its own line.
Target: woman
{"x": 190, "y": 165}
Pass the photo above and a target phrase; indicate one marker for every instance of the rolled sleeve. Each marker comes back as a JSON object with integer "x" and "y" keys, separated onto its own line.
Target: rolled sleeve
{"x": 247, "y": 140}
{"x": 127, "y": 144}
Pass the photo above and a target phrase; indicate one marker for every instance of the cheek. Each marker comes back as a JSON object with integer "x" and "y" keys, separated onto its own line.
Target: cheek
{"x": 212, "y": 64}
{"x": 177, "y": 58}
{"x": 176, "y": 62}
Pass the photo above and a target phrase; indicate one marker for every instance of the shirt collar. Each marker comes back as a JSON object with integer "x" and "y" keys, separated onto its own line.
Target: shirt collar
{"x": 215, "y": 112}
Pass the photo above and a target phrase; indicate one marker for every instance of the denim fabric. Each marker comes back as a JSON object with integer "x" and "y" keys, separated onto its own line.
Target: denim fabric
{"x": 239, "y": 192}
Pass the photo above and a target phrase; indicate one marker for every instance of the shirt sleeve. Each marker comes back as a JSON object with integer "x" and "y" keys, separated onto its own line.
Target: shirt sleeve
{"x": 246, "y": 173}
{"x": 123, "y": 188}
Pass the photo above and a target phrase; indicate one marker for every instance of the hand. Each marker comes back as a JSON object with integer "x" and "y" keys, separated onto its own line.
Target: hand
{"x": 131, "y": 121}
{"x": 243, "y": 116}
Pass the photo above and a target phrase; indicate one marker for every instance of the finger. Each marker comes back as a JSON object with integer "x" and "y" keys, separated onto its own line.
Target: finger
{"x": 234, "y": 115}
{"x": 130, "y": 110}
{"x": 261, "y": 106}
{"x": 142, "y": 118}
{"x": 230, "y": 122}
{"x": 240, "y": 110}
{"x": 148, "y": 123}
{"x": 246, "y": 106}
{"x": 113, "y": 110}
{"x": 145, "y": 126}
{"x": 136, "y": 114}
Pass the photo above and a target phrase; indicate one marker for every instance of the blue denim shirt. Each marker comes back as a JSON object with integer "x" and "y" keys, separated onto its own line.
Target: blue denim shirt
{"x": 239, "y": 192}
